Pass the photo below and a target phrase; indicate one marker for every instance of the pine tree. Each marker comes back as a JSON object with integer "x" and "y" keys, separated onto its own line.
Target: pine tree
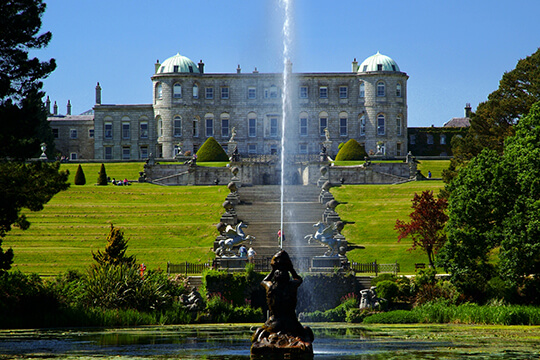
{"x": 80, "y": 179}
{"x": 102, "y": 177}
{"x": 115, "y": 250}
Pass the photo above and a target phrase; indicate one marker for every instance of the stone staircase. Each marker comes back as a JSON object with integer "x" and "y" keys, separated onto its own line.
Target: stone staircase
{"x": 260, "y": 209}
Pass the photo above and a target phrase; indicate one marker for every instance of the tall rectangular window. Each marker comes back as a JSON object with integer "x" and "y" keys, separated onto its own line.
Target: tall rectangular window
{"x": 73, "y": 133}
{"x": 144, "y": 152}
{"x": 224, "y": 128}
{"x": 323, "y": 92}
{"x": 303, "y": 92}
{"x": 323, "y": 124}
{"x": 343, "y": 127}
{"x": 252, "y": 127}
{"x": 380, "y": 125}
{"x": 273, "y": 127}
{"x": 443, "y": 139}
{"x": 302, "y": 148}
{"x": 252, "y": 92}
{"x": 398, "y": 149}
{"x": 126, "y": 153}
{"x": 398, "y": 126}
{"x": 412, "y": 139}
{"x": 195, "y": 128}
{"x": 108, "y": 131}
{"x": 252, "y": 149}
{"x": 177, "y": 127}
{"x": 55, "y": 133}
{"x": 144, "y": 130}
{"x": 343, "y": 92}
{"x": 225, "y": 92}
{"x": 125, "y": 131}
{"x": 91, "y": 133}
{"x": 303, "y": 126}
{"x": 362, "y": 90}
{"x": 108, "y": 152}
{"x": 209, "y": 93}
{"x": 209, "y": 127}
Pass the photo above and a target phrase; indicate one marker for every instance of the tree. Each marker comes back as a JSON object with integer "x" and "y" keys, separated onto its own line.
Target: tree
{"x": 80, "y": 179}
{"x": 427, "y": 222}
{"x": 351, "y": 150}
{"x": 211, "y": 151}
{"x": 115, "y": 250}
{"x": 102, "y": 176}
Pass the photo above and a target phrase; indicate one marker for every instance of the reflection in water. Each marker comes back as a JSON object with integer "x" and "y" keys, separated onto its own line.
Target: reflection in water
{"x": 336, "y": 342}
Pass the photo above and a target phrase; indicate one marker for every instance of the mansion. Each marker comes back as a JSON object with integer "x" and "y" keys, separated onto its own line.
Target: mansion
{"x": 368, "y": 104}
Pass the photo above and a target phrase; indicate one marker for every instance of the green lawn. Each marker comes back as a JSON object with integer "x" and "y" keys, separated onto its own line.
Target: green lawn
{"x": 177, "y": 223}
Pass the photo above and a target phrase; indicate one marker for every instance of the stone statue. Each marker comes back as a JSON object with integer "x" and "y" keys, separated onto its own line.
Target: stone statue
{"x": 282, "y": 333}
{"x": 233, "y": 134}
{"x": 369, "y": 298}
{"x": 325, "y": 236}
{"x": 327, "y": 134}
{"x": 234, "y": 236}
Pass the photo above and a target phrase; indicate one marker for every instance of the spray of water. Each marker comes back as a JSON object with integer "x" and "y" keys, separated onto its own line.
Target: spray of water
{"x": 286, "y": 101}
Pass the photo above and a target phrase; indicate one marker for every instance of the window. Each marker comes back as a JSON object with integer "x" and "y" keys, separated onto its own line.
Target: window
{"x": 273, "y": 149}
{"x": 224, "y": 92}
{"x": 365, "y": 68}
{"x": 342, "y": 126}
{"x": 380, "y": 89}
{"x": 273, "y": 126}
{"x": 91, "y": 133}
{"x": 126, "y": 153}
{"x": 412, "y": 139}
{"x": 398, "y": 90}
{"x": 398, "y": 149}
{"x": 144, "y": 152}
{"x": 302, "y": 148}
{"x": 73, "y": 156}
{"x": 252, "y": 127}
{"x": 252, "y": 92}
{"x": 430, "y": 139}
{"x": 380, "y": 125}
{"x": 209, "y": 127}
{"x": 177, "y": 126}
{"x": 177, "y": 149}
{"x": 379, "y": 67}
{"x": 363, "y": 125}
{"x": 195, "y": 91}
{"x": 159, "y": 91}
{"x": 343, "y": 92}
{"x": 108, "y": 152}
{"x": 195, "y": 127}
{"x": 398, "y": 125}
{"x": 303, "y": 92}
{"x": 175, "y": 68}
{"x": 108, "y": 131}
{"x": 443, "y": 139}
{"x": 125, "y": 131}
{"x": 177, "y": 91}
{"x": 73, "y": 133}
{"x": 323, "y": 124}
{"x": 144, "y": 130}
{"x": 273, "y": 92}
{"x": 55, "y": 133}
{"x": 159, "y": 126}
{"x": 362, "y": 90}
{"x": 323, "y": 92}
{"x": 225, "y": 127}
{"x": 209, "y": 93}
{"x": 252, "y": 149}
{"x": 303, "y": 125}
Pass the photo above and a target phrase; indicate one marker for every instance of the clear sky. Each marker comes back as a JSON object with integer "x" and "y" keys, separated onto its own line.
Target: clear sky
{"x": 454, "y": 51}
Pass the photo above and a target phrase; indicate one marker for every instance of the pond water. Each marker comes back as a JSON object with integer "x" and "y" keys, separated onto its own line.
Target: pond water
{"x": 232, "y": 342}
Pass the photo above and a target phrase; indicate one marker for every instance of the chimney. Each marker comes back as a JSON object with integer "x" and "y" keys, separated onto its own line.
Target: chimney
{"x": 68, "y": 108}
{"x": 201, "y": 67}
{"x": 468, "y": 110}
{"x": 55, "y": 109}
{"x": 48, "y": 105}
{"x": 98, "y": 94}
{"x": 157, "y": 65}
{"x": 255, "y": 71}
{"x": 238, "y": 69}
{"x": 289, "y": 66}
{"x": 355, "y": 66}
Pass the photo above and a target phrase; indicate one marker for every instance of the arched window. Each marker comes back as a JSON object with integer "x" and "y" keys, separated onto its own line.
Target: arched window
{"x": 362, "y": 89}
{"x": 399, "y": 125}
{"x": 159, "y": 126}
{"x": 177, "y": 126}
{"x": 398, "y": 89}
{"x": 177, "y": 91}
{"x": 380, "y": 124}
{"x": 159, "y": 91}
{"x": 195, "y": 91}
{"x": 381, "y": 89}
{"x": 363, "y": 125}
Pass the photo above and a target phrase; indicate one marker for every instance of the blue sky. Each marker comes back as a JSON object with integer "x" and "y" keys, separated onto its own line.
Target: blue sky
{"x": 454, "y": 51}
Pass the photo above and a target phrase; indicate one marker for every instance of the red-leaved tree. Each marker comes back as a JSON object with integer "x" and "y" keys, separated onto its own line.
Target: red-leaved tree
{"x": 427, "y": 222}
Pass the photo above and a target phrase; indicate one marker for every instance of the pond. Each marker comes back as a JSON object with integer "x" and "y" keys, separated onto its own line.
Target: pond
{"x": 232, "y": 342}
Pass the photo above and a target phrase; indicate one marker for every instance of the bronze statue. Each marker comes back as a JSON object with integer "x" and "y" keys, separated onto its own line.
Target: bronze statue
{"x": 282, "y": 333}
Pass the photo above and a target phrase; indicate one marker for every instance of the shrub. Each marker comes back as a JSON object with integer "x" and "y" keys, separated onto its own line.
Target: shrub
{"x": 352, "y": 150}
{"x": 387, "y": 290}
{"x": 356, "y": 315}
{"x": 115, "y": 250}
{"x": 383, "y": 277}
{"x": 80, "y": 179}
{"x": 393, "y": 317}
{"x": 338, "y": 314}
{"x": 102, "y": 177}
{"x": 211, "y": 151}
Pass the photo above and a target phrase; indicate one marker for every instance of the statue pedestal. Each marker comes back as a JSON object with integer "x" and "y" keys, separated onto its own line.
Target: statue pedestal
{"x": 233, "y": 198}
{"x": 325, "y": 262}
{"x": 234, "y": 262}
{"x": 325, "y": 197}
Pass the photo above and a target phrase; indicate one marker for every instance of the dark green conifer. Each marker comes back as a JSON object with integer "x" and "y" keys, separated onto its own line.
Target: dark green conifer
{"x": 80, "y": 179}
{"x": 102, "y": 177}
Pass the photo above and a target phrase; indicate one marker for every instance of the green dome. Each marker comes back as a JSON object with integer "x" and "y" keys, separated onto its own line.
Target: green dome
{"x": 378, "y": 62}
{"x": 178, "y": 64}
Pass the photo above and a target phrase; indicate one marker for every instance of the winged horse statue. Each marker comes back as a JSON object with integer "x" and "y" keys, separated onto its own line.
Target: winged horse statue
{"x": 325, "y": 236}
{"x": 235, "y": 236}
